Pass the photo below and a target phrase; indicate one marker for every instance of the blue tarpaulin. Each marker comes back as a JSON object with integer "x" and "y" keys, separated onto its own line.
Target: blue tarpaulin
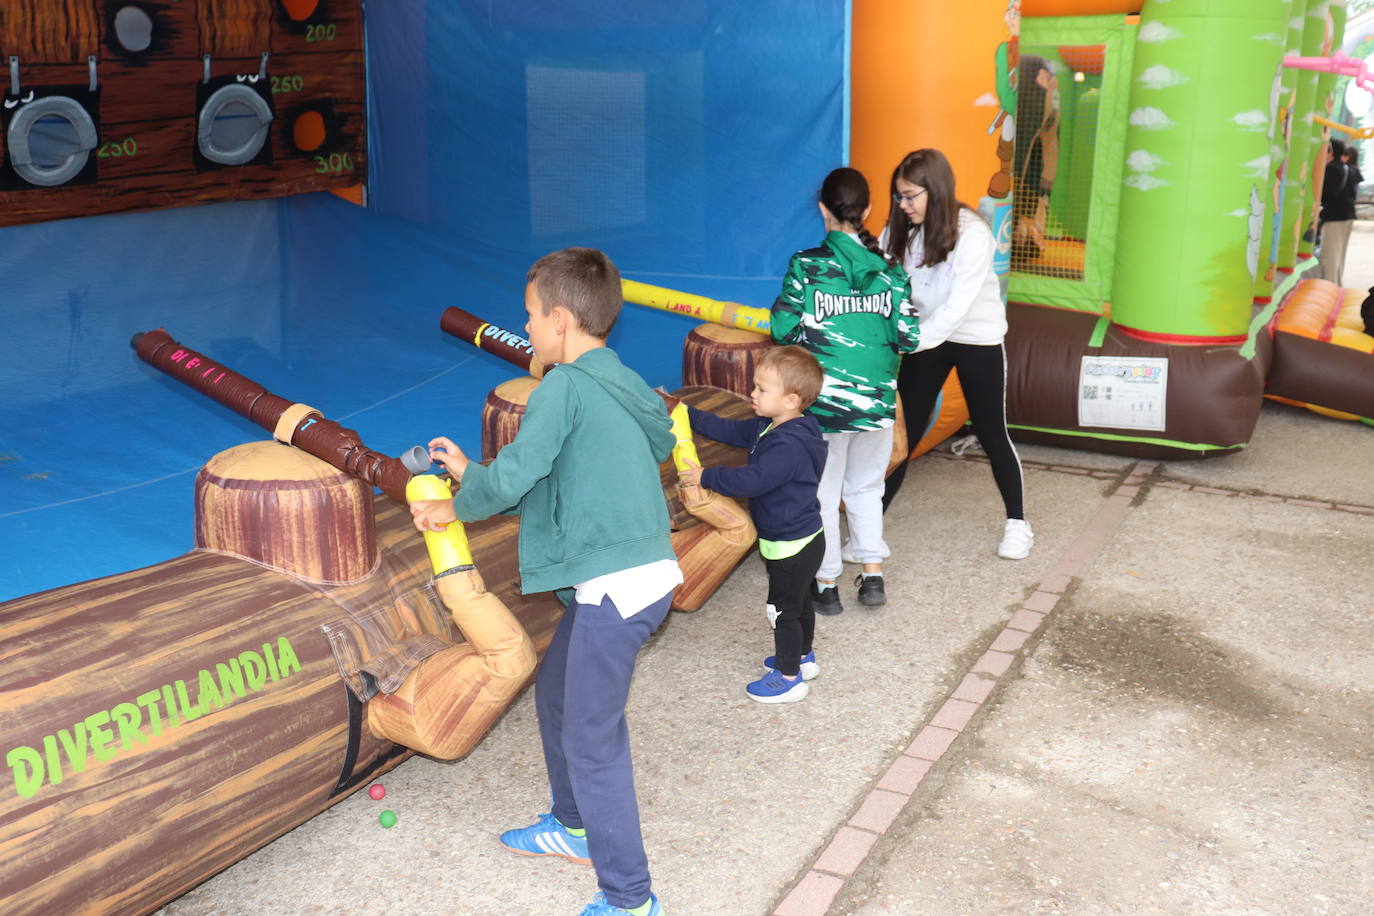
{"x": 686, "y": 139}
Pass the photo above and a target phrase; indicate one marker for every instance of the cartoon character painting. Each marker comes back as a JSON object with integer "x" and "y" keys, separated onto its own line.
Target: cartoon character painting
{"x": 996, "y": 205}
{"x": 1007, "y": 61}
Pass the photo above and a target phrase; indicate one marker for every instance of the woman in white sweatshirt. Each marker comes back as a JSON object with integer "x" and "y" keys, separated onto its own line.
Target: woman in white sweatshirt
{"x": 947, "y": 249}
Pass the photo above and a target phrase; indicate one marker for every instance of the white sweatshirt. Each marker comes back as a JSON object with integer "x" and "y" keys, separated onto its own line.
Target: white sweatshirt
{"x": 958, "y": 299}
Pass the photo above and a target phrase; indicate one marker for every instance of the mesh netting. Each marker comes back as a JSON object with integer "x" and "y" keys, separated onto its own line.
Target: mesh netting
{"x": 1056, "y": 136}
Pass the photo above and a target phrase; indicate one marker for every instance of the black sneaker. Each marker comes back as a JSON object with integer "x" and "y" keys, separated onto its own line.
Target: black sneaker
{"x": 871, "y": 593}
{"x": 826, "y": 600}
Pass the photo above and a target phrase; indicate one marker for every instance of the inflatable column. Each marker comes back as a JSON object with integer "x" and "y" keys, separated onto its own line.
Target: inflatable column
{"x": 1332, "y": 25}
{"x": 1284, "y": 93}
{"x": 1320, "y": 134}
{"x": 1197, "y": 143}
{"x": 1078, "y": 172}
{"x": 1301, "y": 147}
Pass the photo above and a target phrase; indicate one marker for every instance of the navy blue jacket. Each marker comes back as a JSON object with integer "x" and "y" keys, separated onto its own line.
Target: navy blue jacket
{"x": 782, "y": 475}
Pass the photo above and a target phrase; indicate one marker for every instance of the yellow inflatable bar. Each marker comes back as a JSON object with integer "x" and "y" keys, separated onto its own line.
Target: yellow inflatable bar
{"x": 685, "y": 451}
{"x": 729, "y": 314}
{"x": 448, "y": 549}
{"x": 1359, "y": 133}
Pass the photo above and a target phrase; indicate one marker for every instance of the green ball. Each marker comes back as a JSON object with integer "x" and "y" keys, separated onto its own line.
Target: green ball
{"x": 387, "y": 818}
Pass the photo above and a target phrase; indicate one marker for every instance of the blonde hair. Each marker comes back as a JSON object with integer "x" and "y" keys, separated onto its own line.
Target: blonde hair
{"x": 798, "y": 371}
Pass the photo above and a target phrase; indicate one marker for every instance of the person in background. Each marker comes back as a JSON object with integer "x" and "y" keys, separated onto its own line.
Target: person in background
{"x": 1352, "y": 161}
{"x": 1339, "y": 184}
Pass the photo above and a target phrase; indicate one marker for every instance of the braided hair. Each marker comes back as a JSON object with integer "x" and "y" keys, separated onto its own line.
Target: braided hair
{"x": 845, "y": 195}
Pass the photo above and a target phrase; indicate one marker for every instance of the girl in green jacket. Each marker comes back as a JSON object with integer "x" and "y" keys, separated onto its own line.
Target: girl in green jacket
{"x": 849, "y": 305}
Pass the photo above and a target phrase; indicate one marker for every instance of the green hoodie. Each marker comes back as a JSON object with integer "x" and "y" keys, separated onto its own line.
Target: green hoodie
{"x": 582, "y": 474}
{"x": 851, "y": 309}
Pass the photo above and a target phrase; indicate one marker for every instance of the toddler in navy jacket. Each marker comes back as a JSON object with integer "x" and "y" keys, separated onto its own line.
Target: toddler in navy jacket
{"x": 786, "y": 458}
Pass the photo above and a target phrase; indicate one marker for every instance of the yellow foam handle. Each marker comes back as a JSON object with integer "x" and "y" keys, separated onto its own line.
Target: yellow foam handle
{"x": 1359, "y": 133}
{"x": 685, "y": 450}
{"x": 448, "y": 549}
{"x": 729, "y": 314}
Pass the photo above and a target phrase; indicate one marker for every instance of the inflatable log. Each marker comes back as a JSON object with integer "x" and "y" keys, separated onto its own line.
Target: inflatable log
{"x": 720, "y": 353}
{"x": 727, "y": 314}
{"x": 452, "y": 698}
{"x": 724, "y": 529}
{"x": 502, "y": 412}
{"x": 505, "y": 404}
{"x": 723, "y": 357}
{"x": 163, "y": 723}
{"x": 484, "y": 335}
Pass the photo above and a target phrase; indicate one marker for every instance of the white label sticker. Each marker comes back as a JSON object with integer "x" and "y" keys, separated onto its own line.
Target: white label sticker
{"x": 1125, "y": 392}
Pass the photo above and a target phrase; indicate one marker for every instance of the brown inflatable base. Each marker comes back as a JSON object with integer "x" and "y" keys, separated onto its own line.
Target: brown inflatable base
{"x": 1308, "y": 371}
{"x": 1212, "y": 401}
{"x": 163, "y": 723}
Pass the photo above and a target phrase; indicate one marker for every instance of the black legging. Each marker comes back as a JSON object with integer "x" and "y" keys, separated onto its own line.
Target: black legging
{"x": 983, "y": 377}
{"x": 789, "y": 591}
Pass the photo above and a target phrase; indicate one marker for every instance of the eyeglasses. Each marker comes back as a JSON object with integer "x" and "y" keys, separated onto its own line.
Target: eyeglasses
{"x": 900, "y": 199}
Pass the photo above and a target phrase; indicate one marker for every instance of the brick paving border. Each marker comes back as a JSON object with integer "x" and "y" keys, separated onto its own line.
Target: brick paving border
{"x": 825, "y": 878}
{"x": 823, "y": 881}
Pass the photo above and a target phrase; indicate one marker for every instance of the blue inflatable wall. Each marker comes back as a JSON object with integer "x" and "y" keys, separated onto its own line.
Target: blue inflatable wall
{"x": 686, "y": 139}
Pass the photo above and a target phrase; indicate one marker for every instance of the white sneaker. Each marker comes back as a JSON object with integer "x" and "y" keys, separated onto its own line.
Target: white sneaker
{"x": 846, "y": 554}
{"x": 1016, "y": 540}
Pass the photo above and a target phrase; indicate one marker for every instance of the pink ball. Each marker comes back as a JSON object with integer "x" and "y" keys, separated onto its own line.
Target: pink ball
{"x": 377, "y": 791}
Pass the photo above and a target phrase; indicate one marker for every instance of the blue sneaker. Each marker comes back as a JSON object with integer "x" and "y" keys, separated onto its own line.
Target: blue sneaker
{"x": 599, "y": 907}
{"x": 809, "y": 668}
{"x": 774, "y": 688}
{"x": 547, "y": 837}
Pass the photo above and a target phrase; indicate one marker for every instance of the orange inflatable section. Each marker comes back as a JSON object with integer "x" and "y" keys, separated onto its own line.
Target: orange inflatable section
{"x": 908, "y": 91}
{"x": 1078, "y": 7}
{"x": 1321, "y": 310}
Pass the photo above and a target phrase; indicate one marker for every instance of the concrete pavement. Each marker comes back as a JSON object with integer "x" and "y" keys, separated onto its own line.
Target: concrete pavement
{"x": 1166, "y": 708}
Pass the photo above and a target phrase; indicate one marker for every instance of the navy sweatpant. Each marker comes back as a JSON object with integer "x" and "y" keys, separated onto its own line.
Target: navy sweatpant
{"x": 580, "y": 695}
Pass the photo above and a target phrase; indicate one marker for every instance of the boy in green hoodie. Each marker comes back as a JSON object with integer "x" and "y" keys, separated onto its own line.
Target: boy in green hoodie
{"x": 583, "y": 475}
{"x": 848, "y": 304}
